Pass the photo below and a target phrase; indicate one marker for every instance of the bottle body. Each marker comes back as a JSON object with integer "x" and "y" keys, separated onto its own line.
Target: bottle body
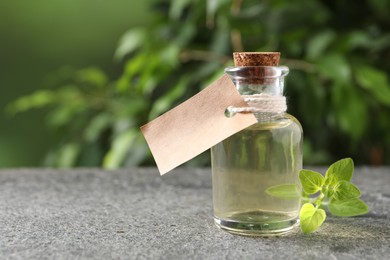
{"x": 255, "y": 175}
{"x": 249, "y": 163}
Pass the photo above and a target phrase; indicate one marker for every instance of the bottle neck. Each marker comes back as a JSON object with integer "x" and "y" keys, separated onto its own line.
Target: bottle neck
{"x": 262, "y": 88}
{"x": 268, "y": 80}
{"x": 271, "y": 89}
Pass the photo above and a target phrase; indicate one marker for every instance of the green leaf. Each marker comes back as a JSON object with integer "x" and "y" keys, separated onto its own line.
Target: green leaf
{"x": 311, "y": 218}
{"x": 331, "y": 180}
{"x": 350, "y": 110}
{"x": 357, "y": 39}
{"x": 338, "y": 171}
{"x": 347, "y": 208}
{"x": 212, "y": 8}
{"x": 129, "y": 42}
{"x": 177, "y": 8}
{"x": 336, "y": 67}
{"x": 345, "y": 190}
{"x": 62, "y": 116}
{"x": 67, "y": 155}
{"x": 318, "y": 44}
{"x": 165, "y": 102}
{"x": 93, "y": 76}
{"x": 287, "y": 191}
{"x": 311, "y": 181}
{"x": 120, "y": 148}
{"x": 38, "y": 99}
{"x": 375, "y": 82}
{"x": 96, "y": 126}
{"x": 170, "y": 55}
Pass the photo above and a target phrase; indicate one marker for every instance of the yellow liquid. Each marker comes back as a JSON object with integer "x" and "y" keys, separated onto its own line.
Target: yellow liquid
{"x": 245, "y": 165}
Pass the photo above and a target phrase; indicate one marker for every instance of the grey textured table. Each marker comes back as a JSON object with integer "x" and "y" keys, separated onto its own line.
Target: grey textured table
{"x": 136, "y": 214}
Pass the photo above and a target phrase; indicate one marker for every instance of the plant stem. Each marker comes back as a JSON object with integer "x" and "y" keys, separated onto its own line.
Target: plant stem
{"x": 320, "y": 200}
{"x": 186, "y": 56}
{"x": 300, "y": 65}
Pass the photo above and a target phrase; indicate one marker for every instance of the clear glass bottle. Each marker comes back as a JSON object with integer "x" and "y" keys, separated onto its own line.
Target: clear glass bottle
{"x": 256, "y": 188}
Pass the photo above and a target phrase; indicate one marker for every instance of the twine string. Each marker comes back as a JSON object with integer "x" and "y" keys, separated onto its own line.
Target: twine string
{"x": 261, "y": 103}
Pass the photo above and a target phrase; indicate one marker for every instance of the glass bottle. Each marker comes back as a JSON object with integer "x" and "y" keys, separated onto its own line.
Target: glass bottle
{"x": 256, "y": 188}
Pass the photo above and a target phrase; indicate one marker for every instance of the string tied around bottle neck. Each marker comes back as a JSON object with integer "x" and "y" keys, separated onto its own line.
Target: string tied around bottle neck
{"x": 260, "y": 103}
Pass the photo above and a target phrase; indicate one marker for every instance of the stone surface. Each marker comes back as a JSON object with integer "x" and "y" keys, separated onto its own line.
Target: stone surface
{"x": 136, "y": 214}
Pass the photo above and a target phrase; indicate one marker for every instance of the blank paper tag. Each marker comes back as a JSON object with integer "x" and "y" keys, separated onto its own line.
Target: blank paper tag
{"x": 196, "y": 125}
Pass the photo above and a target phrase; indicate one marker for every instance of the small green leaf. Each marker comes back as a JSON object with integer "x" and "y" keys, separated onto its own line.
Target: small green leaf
{"x": 287, "y": 191}
{"x": 345, "y": 190}
{"x": 338, "y": 171}
{"x": 331, "y": 180}
{"x": 347, "y": 208}
{"x": 311, "y": 181}
{"x": 311, "y": 218}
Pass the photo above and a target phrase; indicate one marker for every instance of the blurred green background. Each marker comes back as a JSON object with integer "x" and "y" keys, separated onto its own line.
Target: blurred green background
{"x": 78, "y": 78}
{"x": 37, "y": 38}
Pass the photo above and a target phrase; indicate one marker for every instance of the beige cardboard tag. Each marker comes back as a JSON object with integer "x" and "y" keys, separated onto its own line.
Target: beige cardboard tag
{"x": 196, "y": 125}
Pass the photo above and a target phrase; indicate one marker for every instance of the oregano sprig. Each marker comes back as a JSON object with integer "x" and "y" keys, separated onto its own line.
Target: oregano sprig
{"x": 334, "y": 190}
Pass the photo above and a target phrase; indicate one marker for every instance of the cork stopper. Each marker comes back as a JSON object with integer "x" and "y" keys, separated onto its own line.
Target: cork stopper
{"x": 256, "y": 63}
{"x": 256, "y": 58}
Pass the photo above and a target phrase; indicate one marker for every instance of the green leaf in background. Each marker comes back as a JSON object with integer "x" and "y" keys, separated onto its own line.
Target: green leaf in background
{"x": 96, "y": 127}
{"x": 163, "y": 103}
{"x": 347, "y": 208}
{"x": 311, "y": 218}
{"x": 311, "y": 181}
{"x": 349, "y": 110}
{"x": 38, "y": 99}
{"x": 345, "y": 190}
{"x": 61, "y": 116}
{"x": 340, "y": 170}
{"x": 92, "y": 76}
{"x": 129, "y": 42}
{"x": 318, "y": 43}
{"x": 67, "y": 155}
{"x": 170, "y": 56}
{"x": 336, "y": 67}
{"x": 284, "y": 191}
{"x": 212, "y": 7}
{"x": 177, "y": 8}
{"x": 375, "y": 82}
{"x": 117, "y": 154}
{"x": 356, "y": 39}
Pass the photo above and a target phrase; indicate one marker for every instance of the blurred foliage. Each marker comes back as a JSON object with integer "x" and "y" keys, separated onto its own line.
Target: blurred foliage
{"x": 338, "y": 53}
{"x": 39, "y": 37}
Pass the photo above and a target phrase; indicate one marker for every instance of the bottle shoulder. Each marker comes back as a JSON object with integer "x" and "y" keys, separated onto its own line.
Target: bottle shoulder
{"x": 294, "y": 120}
{"x": 279, "y": 120}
